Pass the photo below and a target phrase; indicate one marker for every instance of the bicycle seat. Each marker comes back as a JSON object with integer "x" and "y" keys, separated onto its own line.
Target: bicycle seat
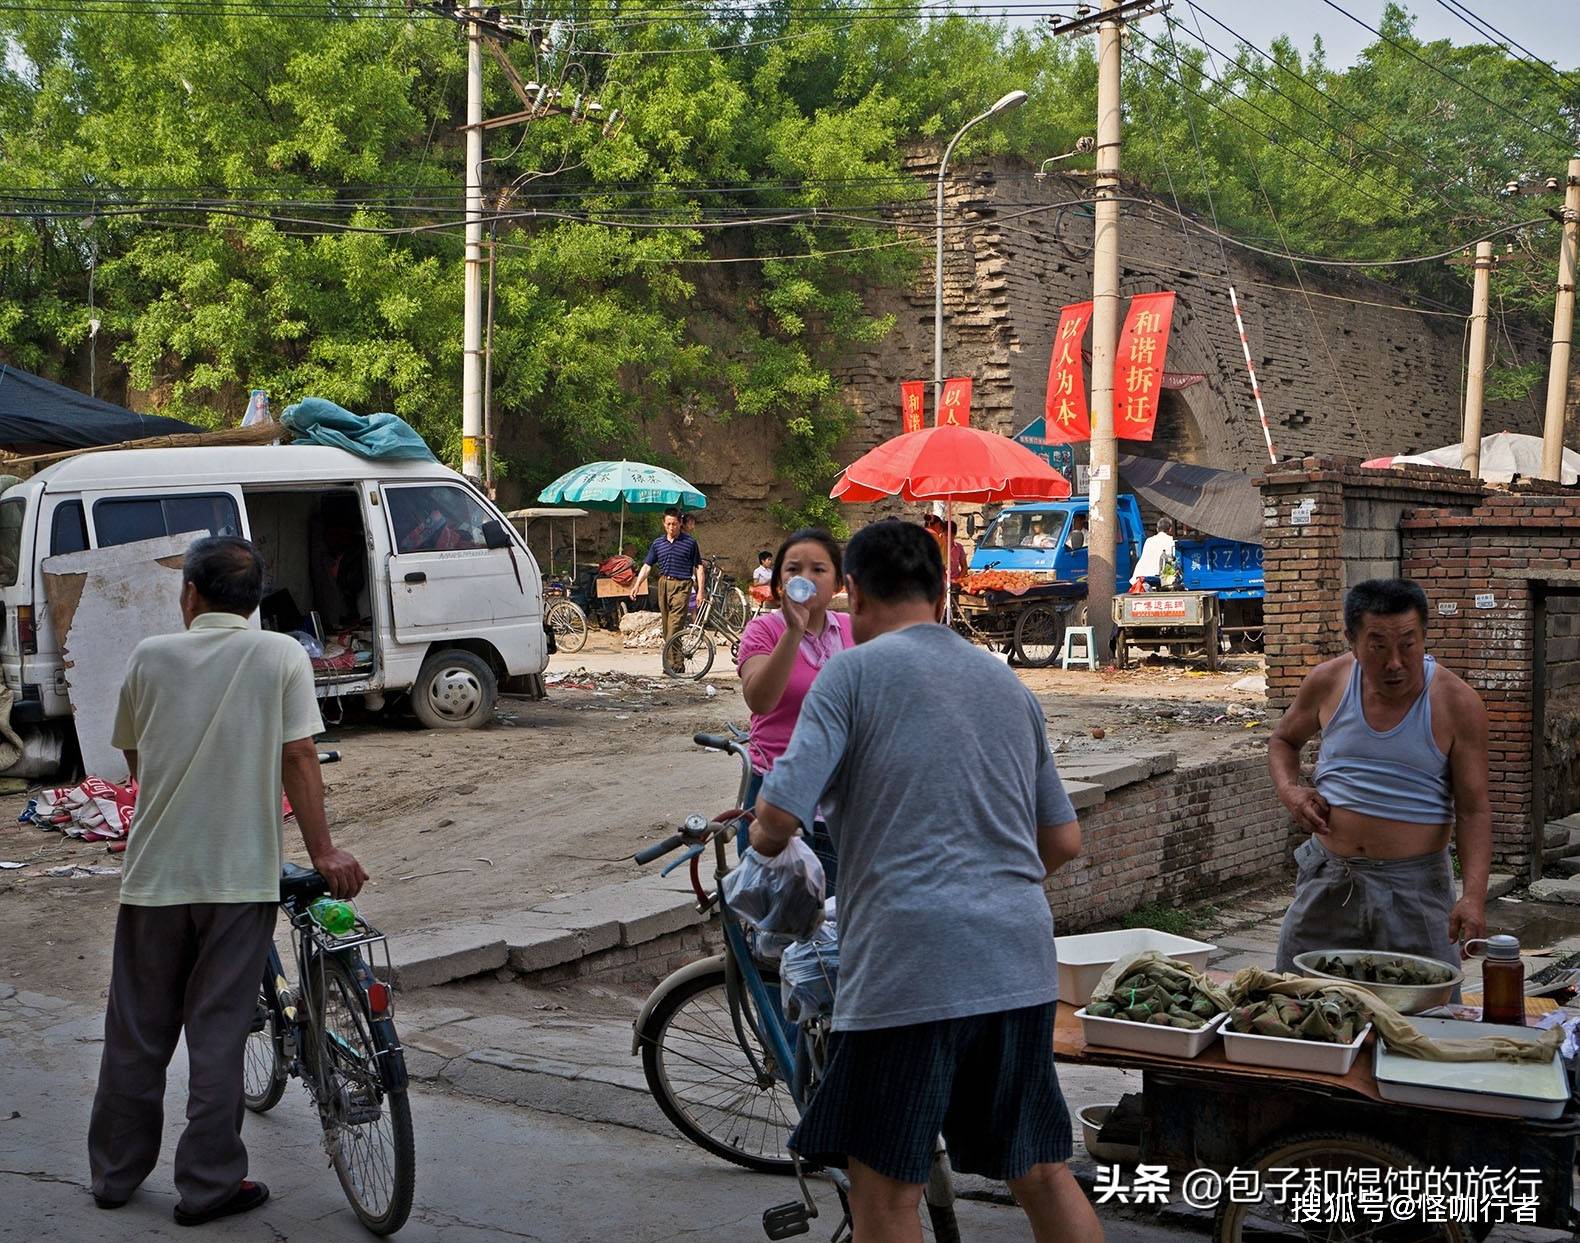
{"x": 299, "y": 884}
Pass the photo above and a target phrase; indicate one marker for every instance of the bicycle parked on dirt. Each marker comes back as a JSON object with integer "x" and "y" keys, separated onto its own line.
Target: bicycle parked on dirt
{"x": 726, "y": 1066}
{"x": 722, "y": 612}
{"x": 564, "y": 617}
{"x": 335, "y": 1031}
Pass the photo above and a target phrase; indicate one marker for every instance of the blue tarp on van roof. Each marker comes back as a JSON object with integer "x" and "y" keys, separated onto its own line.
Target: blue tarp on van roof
{"x": 38, "y": 412}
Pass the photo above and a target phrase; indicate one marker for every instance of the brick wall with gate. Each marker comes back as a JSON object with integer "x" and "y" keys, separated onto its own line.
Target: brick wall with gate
{"x": 1328, "y": 524}
{"x": 1492, "y": 575}
{"x": 1500, "y": 570}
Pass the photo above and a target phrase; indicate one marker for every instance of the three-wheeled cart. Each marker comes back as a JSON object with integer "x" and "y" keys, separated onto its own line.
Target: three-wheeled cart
{"x": 1028, "y": 624}
{"x": 1180, "y": 620}
{"x": 1208, "y": 1113}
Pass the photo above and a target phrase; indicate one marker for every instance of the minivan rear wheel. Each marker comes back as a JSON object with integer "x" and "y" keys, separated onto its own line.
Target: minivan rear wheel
{"x": 455, "y": 689}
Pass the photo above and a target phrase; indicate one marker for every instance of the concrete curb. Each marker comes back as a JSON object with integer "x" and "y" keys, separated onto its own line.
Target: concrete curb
{"x": 548, "y": 934}
{"x": 629, "y": 913}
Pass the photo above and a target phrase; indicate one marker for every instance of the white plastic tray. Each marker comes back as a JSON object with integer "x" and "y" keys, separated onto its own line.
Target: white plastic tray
{"x": 1503, "y": 1089}
{"x": 1148, "y": 1037}
{"x": 1318, "y": 1056}
{"x": 1084, "y": 958}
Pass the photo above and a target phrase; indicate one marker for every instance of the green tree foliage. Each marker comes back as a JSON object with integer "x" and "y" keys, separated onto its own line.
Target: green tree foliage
{"x": 274, "y": 201}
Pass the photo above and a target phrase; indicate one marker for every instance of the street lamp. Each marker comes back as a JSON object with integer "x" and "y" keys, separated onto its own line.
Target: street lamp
{"x": 1013, "y": 100}
{"x": 1083, "y": 146}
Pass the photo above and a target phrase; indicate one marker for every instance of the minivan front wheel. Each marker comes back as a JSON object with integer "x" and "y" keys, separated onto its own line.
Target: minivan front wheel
{"x": 455, "y": 689}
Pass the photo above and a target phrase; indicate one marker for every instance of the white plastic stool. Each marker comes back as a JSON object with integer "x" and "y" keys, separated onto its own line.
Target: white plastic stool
{"x": 1087, "y": 656}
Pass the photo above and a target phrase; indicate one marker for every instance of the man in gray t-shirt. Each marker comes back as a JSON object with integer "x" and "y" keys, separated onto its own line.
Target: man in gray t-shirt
{"x": 930, "y": 762}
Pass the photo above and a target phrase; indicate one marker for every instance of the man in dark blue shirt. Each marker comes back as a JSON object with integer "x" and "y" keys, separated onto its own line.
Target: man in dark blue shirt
{"x": 679, "y": 563}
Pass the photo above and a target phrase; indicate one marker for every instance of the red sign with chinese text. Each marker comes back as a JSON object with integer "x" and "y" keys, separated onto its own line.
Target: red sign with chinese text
{"x": 1066, "y": 418}
{"x": 913, "y": 405}
{"x": 954, "y": 407}
{"x": 1138, "y": 365}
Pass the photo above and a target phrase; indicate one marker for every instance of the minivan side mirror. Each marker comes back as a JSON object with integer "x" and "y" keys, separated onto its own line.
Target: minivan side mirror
{"x": 495, "y": 535}
{"x": 973, "y": 524}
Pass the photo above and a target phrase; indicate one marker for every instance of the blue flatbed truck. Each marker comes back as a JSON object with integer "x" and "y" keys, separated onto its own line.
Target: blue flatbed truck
{"x": 1041, "y": 539}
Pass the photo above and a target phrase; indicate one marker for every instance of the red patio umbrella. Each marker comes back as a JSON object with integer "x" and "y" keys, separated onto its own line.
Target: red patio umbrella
{"x": 950, "y": 464}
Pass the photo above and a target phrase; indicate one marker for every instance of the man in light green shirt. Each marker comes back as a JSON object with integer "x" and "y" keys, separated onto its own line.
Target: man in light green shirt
{"x": 214, "y": 721}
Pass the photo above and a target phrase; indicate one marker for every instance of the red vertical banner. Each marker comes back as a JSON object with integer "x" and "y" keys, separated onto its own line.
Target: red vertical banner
{"x": 913, "y": 405}
{"x": 1066, "y": 418}
{"x": 1138, "y": 365}
{"x": 954, "y": 407}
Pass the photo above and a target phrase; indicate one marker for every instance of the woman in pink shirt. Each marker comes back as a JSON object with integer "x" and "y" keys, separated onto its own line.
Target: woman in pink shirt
{"x": 782, "y": 652}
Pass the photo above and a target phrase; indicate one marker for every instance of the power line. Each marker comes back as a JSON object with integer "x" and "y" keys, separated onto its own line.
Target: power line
{"x": 1393, "y": 144}
{"x": 1459, "y": 82}
{"x": 1482, "y": 26}
{"x": 1342, "y": 173}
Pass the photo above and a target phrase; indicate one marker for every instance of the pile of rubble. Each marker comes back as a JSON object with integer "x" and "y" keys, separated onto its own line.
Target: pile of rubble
{"x": 642, "y": 630}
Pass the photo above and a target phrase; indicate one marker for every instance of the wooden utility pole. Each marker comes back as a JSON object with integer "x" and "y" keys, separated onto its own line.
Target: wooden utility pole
{"x": 1563, "y": 329}
{"x": 1476, "y": 380}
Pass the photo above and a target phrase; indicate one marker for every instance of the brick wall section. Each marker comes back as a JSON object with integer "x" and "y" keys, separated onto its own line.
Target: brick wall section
{"x": 1181, "y": 836}
{"x": 1351, "y": 532}
{"x": 1497, "y": 550}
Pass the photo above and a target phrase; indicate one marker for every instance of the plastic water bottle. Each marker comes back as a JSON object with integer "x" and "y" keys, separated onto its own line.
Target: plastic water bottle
{"x": 800, "y": 589}
{"x": 333, "y": 916}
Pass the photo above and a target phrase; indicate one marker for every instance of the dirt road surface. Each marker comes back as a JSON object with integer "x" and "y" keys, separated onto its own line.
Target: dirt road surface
{"x": 555, "y": 796}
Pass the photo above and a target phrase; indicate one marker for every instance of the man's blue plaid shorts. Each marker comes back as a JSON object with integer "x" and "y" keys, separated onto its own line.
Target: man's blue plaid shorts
{"x": 986, "y": 1082}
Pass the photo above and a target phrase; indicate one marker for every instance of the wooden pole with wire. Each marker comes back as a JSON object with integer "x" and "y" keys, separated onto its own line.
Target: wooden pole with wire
{"x": 1476, "y": 375}
{"x": 1563, "y": 331}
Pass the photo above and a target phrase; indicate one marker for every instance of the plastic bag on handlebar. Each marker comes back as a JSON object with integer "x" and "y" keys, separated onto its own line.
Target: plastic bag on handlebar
{"x": 809, "y": 975}
{"x": 779, "y": 894}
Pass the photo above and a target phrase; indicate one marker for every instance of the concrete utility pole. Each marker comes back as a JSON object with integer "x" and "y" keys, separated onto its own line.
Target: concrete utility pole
{"x": 1476, "y": 380}
{"x": 1563, "y": 328}
{"x": 1103, "y": 475}
{"x": 472, "y": 331}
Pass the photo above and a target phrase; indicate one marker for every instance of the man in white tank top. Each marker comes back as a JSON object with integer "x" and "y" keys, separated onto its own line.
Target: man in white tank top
{"x": 1403, "y": 764}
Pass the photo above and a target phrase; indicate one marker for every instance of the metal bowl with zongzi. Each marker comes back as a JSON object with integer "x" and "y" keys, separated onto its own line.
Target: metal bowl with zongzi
{"x": 1407, "y": 982}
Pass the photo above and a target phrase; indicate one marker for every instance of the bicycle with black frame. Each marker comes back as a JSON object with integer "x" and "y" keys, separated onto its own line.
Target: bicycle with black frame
{"x": 334, "y": 1029}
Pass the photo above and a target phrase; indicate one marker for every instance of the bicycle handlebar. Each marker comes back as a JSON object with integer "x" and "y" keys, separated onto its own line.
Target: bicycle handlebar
{"x": 713, "y": 742}
{"x": 659, "y": 849}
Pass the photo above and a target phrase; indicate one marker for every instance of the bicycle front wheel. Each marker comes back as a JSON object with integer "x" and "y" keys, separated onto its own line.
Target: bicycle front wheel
{"x": 367, "y": 1130}
{"x": 689, "y": 654}
{"x": 706, "y": 1084}
{"x": 569, "y": 624}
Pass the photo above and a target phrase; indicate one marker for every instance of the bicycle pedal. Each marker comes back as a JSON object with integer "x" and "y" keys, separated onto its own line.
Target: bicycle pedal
{"x": 785, "y": 1221}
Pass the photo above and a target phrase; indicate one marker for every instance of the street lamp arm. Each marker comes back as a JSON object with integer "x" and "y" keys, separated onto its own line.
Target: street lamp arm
{"x": 1005, "y": 102}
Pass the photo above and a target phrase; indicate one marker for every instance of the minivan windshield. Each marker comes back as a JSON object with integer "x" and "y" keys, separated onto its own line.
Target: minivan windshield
{"x": 11, "y": 514}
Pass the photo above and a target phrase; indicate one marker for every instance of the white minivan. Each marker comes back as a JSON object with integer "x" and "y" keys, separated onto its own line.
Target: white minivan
{"x": 405, "y": 576}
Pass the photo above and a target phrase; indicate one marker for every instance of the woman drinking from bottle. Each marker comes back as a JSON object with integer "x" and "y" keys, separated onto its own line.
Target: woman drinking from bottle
{"x": 782, "y": 652}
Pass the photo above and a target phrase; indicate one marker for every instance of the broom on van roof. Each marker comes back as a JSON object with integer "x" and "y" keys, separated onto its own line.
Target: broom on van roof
{"x": 258, "y": 434}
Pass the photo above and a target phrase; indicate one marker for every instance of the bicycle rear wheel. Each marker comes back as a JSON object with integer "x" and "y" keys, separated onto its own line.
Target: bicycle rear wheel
{"x": 569, "y": 624}
{"x": 689, "y": 654}
{"x": 367, "y": 1130}
{"x": 706, "y": 1085}
{"x": 263, "y": 1066}
{"x": 734, "y": 609}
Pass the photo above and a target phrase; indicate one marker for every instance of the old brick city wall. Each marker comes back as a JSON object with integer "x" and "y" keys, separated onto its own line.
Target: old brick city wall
{"x": 1346, "y": 366}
